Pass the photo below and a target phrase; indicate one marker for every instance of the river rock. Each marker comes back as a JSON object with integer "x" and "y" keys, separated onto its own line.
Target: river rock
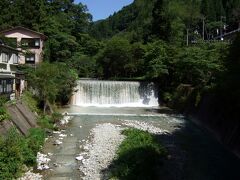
{"x": 79, "y": 158}
{"x": 62, "y": 135}
{"x": 57, "y": 142}
{"x": 42, "y": 161}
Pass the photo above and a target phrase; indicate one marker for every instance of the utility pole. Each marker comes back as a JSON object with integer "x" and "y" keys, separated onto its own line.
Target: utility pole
{"x": 203, "y": 28}
{"x": 187, "y": 36}
{"x": 222, "y": 26}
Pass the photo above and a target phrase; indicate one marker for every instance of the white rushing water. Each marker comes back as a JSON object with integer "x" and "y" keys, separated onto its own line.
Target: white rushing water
{"x": 115, "y": 93}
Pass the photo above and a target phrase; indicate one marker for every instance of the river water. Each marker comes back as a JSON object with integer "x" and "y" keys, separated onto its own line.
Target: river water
{"x": 195, "y": 154}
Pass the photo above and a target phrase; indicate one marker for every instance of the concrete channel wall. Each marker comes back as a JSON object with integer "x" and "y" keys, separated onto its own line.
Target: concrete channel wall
{"x": 21, "y": 117}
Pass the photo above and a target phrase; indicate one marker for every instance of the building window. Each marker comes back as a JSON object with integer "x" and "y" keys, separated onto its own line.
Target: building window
{"x": 30, "y": 58}
{"x": 31, "y": 42}
{"x": 5, "y": 57}
{"x": 15, "y": 58}
{"x": 6, "y": 86}
{"x": 37, "y": 42}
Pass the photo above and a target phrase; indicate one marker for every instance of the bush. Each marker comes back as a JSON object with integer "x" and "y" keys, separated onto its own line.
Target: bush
{"x": 11, "y": 155}
{"x": 16, "y": 150}
{"x": 46, "y": 122}
{"x": 139, "y": 156}
{"x": 36, "y": 139}
{"x": 31, "y": 101}
{"x": 56, "y": 117}
{"x": 3, "y": 114}
{"x": 3, "y": 100}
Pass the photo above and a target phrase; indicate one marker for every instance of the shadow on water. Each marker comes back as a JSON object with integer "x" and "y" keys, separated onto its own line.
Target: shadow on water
{"x": 162, "y": 110}
{"x": 193, "y": 154}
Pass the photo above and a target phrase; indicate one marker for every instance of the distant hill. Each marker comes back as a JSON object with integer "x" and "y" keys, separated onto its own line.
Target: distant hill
{"x": 135, "y": 20}
{"x": 132, "y": 19}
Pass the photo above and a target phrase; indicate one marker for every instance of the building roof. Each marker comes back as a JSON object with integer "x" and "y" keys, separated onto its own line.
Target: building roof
{"x": 6, "y": 76}
{"x": 44, "y": 37}
{"x": 9, "y": 47}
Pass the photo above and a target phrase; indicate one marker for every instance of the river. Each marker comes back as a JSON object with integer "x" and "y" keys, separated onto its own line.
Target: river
{"x": 93, "y": 136}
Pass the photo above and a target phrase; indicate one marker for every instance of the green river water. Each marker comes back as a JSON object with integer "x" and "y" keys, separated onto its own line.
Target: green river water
{"x": 196, "y": 155}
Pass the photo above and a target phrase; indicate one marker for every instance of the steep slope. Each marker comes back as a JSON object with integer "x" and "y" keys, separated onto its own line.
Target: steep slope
{"x": 132, "y": 18}
{"x": 136, "y": 20}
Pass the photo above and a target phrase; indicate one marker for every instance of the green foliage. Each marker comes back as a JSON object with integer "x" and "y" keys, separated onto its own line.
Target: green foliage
{"x": 114, "y": 57}
{"x": 156, "y": 58}
{"x": 52, "y": 83}
{"x": 46, "y": 122}
{"x": 65, "y": 81}
{"x": 11, "y": 155}
{"x": 120, "y": 59}
{"x": 31, "y": 101}
{"x": 160, "y": 22}
{"x": 3, "y": 114}
{"x": 139, "y": 156}
{"x": 35, "y": 139}
{"x": 199, "y": 65}
{"x": 167, "y": 97}
{"x": 135, "y": 18}
{"x": 84, "y": 65}
{"x": 56, "y": 117}
{"x": 3, "y": 100}
{"x": 16, "y": 150}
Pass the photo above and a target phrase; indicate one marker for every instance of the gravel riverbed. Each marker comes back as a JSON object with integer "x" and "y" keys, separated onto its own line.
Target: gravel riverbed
{"x": 100, "y": 151}
{"x": 96, "y": 152}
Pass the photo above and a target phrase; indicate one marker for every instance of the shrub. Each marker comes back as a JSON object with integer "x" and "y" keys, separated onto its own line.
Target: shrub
{"x": 11, "y": 155}
{"x": 46, "y": 122}
{"x": 16, "y": 150}
{"x": 36, "y": 139}
{"x": 31, "y": 101}
{"x": 56, "y": 117}
{"x": 139, "y": 156}
{"x": 3, "y": 100}
{"x": 3, "y": 114}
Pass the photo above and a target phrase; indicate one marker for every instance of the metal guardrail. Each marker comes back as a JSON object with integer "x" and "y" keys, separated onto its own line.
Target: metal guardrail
{"x": 229, "y": 33}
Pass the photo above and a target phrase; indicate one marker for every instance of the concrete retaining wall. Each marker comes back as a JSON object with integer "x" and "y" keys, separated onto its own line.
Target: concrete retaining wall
{"x": 21, "y": 117}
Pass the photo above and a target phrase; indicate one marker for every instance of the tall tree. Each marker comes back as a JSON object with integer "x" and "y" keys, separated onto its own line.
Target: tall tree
{"x": 160, "y": 21}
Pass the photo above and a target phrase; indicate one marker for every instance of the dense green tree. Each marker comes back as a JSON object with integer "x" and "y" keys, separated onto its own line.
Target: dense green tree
{"x": 160, "y": 21}
{"x": 84, "y": 65}
{"x": 199, "y": 65}
{"x": 52, "y": 82}
{"x": 156, "y": 58}
{"x": 114, "y": 57}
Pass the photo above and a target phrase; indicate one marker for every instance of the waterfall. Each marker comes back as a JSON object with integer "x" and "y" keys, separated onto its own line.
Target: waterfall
{"x": 115, "y": 93}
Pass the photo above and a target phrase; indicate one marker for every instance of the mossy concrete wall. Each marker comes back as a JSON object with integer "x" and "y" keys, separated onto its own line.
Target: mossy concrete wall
{"x": 21, "y": 117}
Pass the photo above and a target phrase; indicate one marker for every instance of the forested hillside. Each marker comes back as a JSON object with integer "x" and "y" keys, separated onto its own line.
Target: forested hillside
{"x": 141, "y": 19}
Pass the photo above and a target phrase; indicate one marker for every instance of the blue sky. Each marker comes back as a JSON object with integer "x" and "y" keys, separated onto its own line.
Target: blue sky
{"x": 101, "y": 9}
